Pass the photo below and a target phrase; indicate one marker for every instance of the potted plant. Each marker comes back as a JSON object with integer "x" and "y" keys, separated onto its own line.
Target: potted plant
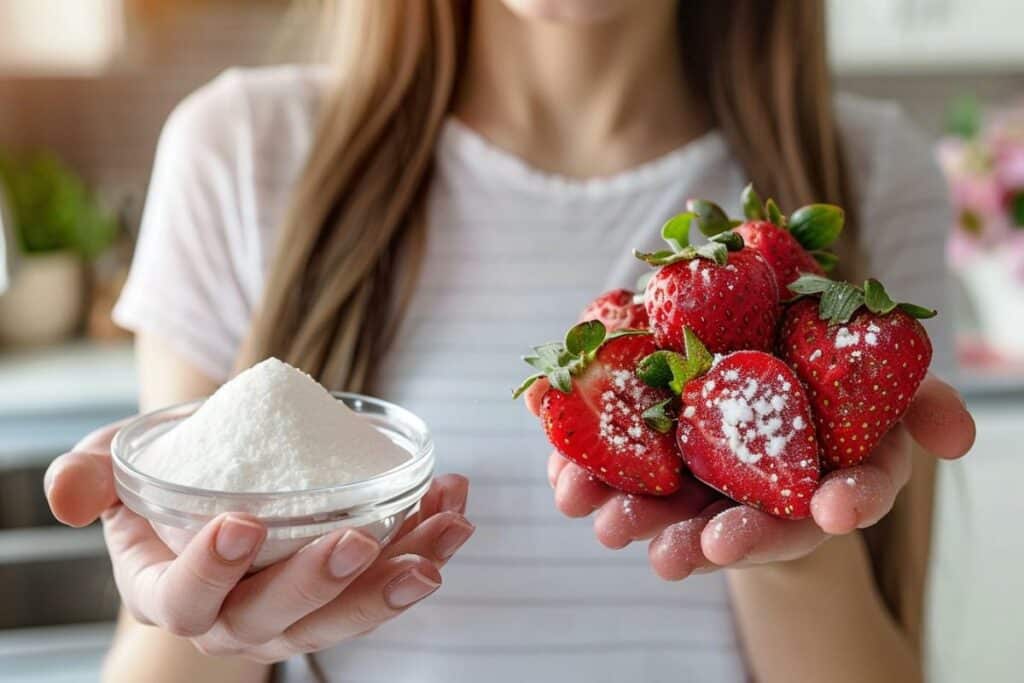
{"x": 57, "y": 226}
{"x": 983, "y": 160}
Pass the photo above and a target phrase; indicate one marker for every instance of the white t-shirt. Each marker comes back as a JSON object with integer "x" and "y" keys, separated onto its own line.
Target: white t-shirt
{"x": 513, "y": 255}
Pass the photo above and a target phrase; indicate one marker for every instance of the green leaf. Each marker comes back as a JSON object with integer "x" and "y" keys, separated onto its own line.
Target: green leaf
{"x": 676, "y": 231}
{"x": 1017, "y": 209}
{"x": 586, "y": 337}
{"x": 550, "y": 353}
{"x": 826, "y": 259}
{"x": 656, "y": 258}
{"x": 527, "y": 383}
{"x": 876, "y": 298}
{"x": 631, "y": 332}
{"x": 809, "y": 284}
{"x": 918, "y": 311}
{"x": 753, "y": 207}
{"x": 561, "y": 379}
{"x": 963, "y": 117}
{"x": 698, "y": 358}
{"x": 660, "y": 417}
{"x": 654, "y": 371}
{"x": 714, "y": 251}
{"x": 733, "y": 241}
{"x": 775, "y": 214}
{"x": 710, "y": 217}
{"x": 839, "y": 302}
{"x": 816, "y": 226}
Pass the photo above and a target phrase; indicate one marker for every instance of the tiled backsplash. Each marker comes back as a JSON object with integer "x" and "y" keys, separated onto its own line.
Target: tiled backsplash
{"x": 107, "y": 127}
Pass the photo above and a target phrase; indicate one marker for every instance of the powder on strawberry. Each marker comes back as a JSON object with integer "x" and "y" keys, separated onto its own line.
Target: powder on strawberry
{"x": 752, "y": 417}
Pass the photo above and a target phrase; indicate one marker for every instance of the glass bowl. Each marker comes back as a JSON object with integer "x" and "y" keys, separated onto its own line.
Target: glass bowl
{"x": 377, "y": 505}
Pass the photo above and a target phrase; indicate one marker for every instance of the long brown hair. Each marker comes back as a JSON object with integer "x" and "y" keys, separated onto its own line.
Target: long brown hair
{"x": 346, "y": 256}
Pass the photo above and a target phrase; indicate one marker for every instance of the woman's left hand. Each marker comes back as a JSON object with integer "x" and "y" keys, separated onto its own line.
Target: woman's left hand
{"x": 696, "y": 529}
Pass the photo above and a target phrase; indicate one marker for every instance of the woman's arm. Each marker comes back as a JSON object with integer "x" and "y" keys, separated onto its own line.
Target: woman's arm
{"x": 204, "y": 602}
{"x": 142, "y": 652}
{"x": 820, "y": 618}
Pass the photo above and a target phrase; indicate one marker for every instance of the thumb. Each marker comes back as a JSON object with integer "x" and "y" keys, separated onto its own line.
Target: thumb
{"x": 939, "y": 421}
{"x": 80, "y": 485}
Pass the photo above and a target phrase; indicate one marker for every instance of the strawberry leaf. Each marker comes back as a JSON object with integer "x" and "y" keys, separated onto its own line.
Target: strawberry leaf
{"x": 664, "y": 257}
{"x": 839, "y": 302}
{"x": 753, "y": 207}
{"x": 916, "y": 311}
{"x": 732, "y": 240}
{"x": 714, "y": 251}
{"x": 698, "y": 358}
{"x": 809, "y": 284}
{"x": 711, "y": 219}
{"x": 585, "y": 338}
{"x": 876, "y": 298}
{"x": 654, "y": 370}
{"x": 676, "y": 231}
{"x": 775, "y": 214}
{"x": 527, "y": 383}
{"x": 660, "y": 417}
{"x": 671, "y": 370}
{"x": 816, "y": 226}
{"x": 561, "y": 379}
{"x": 826, "y": 259}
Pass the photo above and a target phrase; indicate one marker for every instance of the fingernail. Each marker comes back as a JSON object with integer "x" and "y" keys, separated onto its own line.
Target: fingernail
{"x": 352, "y": 552}
{"x": 236, "y": 539}
{"x": 452, "y": 538}
{"x": 410, "y": 587}
{"x": 451, "y": 503}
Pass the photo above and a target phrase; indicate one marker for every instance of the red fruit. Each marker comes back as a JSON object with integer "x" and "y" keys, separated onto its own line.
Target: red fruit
{"x": 861, "y": 370}
{"x": 616, "y": 310}
{"x": 746, "y": 430}
{"x": 780, "y": 249}
{"x": 730, "y": 307}
{"x": 593, "y": 412}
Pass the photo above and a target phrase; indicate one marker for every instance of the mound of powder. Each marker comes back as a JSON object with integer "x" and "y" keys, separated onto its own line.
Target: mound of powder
{"x": 271, "y": 428}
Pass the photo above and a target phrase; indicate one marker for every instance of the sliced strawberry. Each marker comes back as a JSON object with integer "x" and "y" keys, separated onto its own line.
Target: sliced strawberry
{"x": 594, "y": 411}
{"x": 723, "y": 292}
{"x": 617, "y": 310}
{"x": 861, "y": 357}
{"x": 745, "y": 425}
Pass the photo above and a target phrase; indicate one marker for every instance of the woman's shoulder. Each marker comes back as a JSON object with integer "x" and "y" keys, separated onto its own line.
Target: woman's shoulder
{"x": 267, "y": 114}
{"x": 879, "y": 137}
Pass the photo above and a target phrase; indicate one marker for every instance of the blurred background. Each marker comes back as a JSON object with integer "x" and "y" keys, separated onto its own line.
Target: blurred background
{"x": 84, "y": 88}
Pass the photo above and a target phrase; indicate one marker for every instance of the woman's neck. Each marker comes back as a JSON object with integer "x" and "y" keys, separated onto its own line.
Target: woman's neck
{"x": 580, "y": 100}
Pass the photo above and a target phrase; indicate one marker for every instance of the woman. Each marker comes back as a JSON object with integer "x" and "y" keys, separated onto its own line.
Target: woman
{"x": 461, "y": 181}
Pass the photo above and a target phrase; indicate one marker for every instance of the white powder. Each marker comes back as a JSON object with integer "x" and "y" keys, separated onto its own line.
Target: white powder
{"x": 844, "y": 338}
{"x": 271, "y": 428}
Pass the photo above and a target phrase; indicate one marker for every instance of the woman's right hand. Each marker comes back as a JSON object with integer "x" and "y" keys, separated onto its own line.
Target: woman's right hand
{"x": 342, "y": 586}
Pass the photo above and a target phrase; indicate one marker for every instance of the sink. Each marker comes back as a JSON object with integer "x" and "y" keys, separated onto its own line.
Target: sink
{"x": 49, "y": 574}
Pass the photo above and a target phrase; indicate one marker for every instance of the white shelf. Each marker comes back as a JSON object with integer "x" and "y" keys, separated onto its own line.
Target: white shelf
{"x": 925, "y": 36}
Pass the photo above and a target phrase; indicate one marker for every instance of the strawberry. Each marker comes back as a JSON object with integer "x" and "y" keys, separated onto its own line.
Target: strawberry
{"x": 860, "y": 356}
{"x": 780, "y": 249}
{"x": 725, "y": 293}
{"x": 745, "y": 426}
{"x": 593, "y": 412}
{"x": 617, "y": 310}
{"x": 791, "y": 246}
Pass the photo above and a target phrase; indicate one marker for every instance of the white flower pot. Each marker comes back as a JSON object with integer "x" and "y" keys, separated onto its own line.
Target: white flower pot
{"x": 44, "y": 304}
{"x": 997, "y": 296}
